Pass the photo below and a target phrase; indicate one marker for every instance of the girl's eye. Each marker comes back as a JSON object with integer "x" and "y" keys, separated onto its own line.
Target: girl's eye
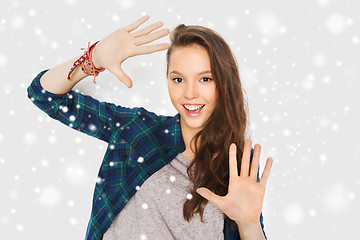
{"x": 207, "y": 79}
{"x": 176, "y": 79}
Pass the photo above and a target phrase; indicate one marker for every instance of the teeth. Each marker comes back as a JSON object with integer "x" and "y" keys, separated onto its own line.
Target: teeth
{"x": 193, "y": 107}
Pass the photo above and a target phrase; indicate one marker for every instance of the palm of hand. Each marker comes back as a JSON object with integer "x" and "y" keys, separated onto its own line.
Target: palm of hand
{"x": 244, "y": 200}
{"x": 123, "y": 43}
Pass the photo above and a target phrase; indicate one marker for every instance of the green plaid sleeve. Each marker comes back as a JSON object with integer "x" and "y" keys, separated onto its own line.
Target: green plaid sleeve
{"x": 79, "y": 111}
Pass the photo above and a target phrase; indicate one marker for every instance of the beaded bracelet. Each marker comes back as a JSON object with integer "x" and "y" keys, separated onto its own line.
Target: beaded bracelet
{"x": 86, "y": 63}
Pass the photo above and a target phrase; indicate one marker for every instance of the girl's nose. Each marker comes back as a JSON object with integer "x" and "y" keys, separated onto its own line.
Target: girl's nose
{"x": 191, "y": 91}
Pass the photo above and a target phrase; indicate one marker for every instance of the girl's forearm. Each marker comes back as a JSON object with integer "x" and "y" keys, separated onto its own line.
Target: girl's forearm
{"x": 55, "y": 80}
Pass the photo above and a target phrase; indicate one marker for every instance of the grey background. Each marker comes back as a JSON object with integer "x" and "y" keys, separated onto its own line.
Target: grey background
{"x": 299, "y": 63}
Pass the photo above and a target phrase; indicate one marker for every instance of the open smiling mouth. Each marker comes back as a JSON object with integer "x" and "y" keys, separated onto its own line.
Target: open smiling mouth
{"x": 193, "y": 111}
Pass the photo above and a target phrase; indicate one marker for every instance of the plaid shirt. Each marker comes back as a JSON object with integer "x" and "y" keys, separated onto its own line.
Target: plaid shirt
{"x": 139, "y": 144}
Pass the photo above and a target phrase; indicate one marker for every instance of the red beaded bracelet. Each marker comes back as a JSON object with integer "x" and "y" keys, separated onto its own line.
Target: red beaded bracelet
{"x": 86, "y": 62}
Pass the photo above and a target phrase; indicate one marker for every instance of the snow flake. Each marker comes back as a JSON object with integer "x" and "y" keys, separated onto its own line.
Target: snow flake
{"x": 293, "y": 214}
{"x": 111, "y": 164}
{"x": 73, "y": 221}
{"x": 71, "y": 203}
{"x": 65, "y": 109}
{"x": 50, "y": 196}
{"x": 112, "y": 146}
{"x": 143, "y": 237}
{"x": 336, "y": 23}
{"x": 81, "y": 152}
{"x": 144, "y": 206}
{"x": 36, "y": 190}
{"x": 168, "y": 191}
{"x": 92, "y": 127}
{"x": 166, "y": 131}
{"x": 72, "y": 118}
{"x": 312, "y": 212}
{"x": 140, "y": 159}
{"x": 172, "y": 178}
{"x": 19, "y": 227}
{"x": 189, "y": 196}
{"x": 137, "y": 188}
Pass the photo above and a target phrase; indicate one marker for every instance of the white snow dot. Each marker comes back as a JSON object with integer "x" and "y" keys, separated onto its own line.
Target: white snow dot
{"x": 30, "y": 138}
{"x": 286, "y": 132}
{"x": 92, "y": 127}
{"x": 143, "y": 237}
{"x": 326, "y": 79}
{"x": 172, "y": 178}
{"x": 166, "y": 131}
{"x": 71, "y": 203}
{"x": 77, "y": 105}
{"x": 144, "y": 206}
{"x": 168, "y": 191}
{"x": 112, "y": 146}
{"x": 335, "y": 199}
{"x": 72, "y": 118}
{"x": 19, "y": 227}
{"x": 319, "y": 60}
{"x": 231, "y": 22}
{"x": 1, "y": 137}
{"x": 52, "y": 139}
{"x": 323, "y": 158}
{"x": 44, "y": 163}
{"x": 54, "y": 45}
{"x": 118, "y": 124}
{"x": 293, "y": 214}
{"x": 137, "y": 188}
{"x": 335, "y": 127}
{"x": 32, "y": 12}
{"x": 189, "y": 196}
{"x": 351, "y": 196}
{"x": 36, "y": 190}
{"x": 312, "y": 213}
{"x": 81, "y": 152}
{"x": 65, "y": 109}
{"x": 140, "y": 159}
{"x": 50, "y": 196}
{"x": 73, "y": 221}
{"x": 336, "y": 23}
{"x": 355, "y": 40}
{"x": 111, "y": 164}
{"x": 78, "y": 140}
{"x": 3, "y": 60}
{"x": 17, "y": 22}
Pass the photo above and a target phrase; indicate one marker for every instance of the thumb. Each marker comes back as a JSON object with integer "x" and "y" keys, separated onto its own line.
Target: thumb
{"x": 122, "y": 76}
{"x": 212, "y": 197}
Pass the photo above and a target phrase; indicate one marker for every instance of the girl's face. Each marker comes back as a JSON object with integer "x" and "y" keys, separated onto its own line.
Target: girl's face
{"x": 192, "y": 88}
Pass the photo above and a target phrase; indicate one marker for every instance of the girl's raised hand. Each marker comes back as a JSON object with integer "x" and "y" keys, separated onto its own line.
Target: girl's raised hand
{"x": 111, "y": 51}
{"x": 244, "y": 200}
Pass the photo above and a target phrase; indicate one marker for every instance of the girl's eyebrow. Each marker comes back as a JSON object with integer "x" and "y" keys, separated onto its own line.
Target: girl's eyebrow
{"x": 200, "y": 73}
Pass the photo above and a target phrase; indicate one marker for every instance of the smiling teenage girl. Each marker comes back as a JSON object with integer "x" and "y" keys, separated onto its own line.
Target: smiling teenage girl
{"x": 148, "y": 182}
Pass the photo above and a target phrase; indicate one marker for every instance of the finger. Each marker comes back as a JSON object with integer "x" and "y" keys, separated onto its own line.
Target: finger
{"x": 255, "y": 162}
{"x": 137, "y": 23}
{"x": 149, "y": 49}
{"x": 151, "y": 37}
{"x": 245, "y": 161}
{"x": 233, "y": 171}
{"x": 121, "y": 75}
{"x": 147, "y": 30}
{"x": 209, "y": 195}
{"x": 266, "y": 172}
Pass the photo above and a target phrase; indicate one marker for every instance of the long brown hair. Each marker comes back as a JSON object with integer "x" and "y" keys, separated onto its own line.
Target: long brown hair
{"x": 227, "y": 123}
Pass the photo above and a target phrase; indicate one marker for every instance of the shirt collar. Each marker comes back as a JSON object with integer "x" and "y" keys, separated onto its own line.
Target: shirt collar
{"x": 173, "y": 134}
